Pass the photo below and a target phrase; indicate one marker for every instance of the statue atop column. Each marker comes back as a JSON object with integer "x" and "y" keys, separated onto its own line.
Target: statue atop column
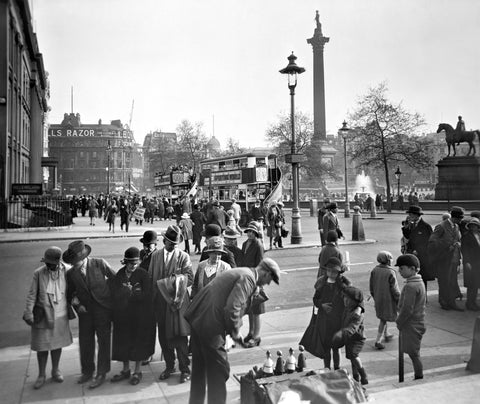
{"x": 318, "y": 29}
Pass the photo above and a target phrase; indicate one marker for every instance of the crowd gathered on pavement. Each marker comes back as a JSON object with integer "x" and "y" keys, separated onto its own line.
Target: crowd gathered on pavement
{"x": 197, "y": 313}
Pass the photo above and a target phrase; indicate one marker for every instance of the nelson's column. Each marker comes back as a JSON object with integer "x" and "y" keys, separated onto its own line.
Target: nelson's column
{"x": 318, "y": 42}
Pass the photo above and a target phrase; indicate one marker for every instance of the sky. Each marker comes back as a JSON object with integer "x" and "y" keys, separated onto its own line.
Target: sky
{"x": 218, "y": 61}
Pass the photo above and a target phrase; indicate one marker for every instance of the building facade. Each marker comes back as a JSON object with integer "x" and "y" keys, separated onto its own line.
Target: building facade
{"x": 95, "y": 158}
{"x": 23, "y": 98}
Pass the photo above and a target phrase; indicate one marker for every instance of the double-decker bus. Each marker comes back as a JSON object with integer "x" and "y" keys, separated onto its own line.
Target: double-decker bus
{"x": 175, "y": 184}
{"x": 245, "y": 177}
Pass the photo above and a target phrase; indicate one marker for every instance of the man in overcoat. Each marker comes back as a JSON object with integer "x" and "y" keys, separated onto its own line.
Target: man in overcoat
{"x": 89, "y": 294}
{"x": 418, "y": 232}
{"x": 172, "y": 327}
{"x": 444, "y": 254}
{"x": 215, "y": 311}
{"x": 330, "y": 220}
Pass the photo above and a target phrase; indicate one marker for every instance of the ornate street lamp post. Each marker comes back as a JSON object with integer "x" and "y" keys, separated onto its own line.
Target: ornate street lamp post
{"x": 398, "y": 173}
{"x": 292, "y": 70}
{"x": 109, "y": 150}
{"x": 343, "y": 131}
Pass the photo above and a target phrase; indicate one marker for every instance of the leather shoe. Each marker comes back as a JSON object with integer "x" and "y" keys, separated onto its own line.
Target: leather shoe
{"x": 123, "y": 375}
{"x": 57, "y": 376}
{"x": 184, "y": 377}
{"x": 39, "y": 382}
{"x": 84, "y": 378}
{"x": 98, "y": 381}
{"x": 379, "y": 345}
{"x": 166, "y": 374}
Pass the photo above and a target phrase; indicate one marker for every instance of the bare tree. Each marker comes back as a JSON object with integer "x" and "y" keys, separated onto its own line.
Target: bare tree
{"x": 233, "y": 147}
{"x": 279, "y": 135}
{"x": 193, "y": 142}
{"x": 386, "y": 134}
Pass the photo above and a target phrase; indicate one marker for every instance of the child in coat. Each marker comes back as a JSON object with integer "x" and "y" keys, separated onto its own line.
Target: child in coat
{"x": 329, "y": 300}
{"x": 351, "y": 334}
{"x": 411, "y": 310}
{"x": 384, "y": 290}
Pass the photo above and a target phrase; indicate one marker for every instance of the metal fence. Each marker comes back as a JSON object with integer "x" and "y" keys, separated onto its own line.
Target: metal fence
{"x": 38, "y": 211}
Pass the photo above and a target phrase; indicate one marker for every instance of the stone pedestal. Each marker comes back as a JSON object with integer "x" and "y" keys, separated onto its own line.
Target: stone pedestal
{"x": 458, "y": 178}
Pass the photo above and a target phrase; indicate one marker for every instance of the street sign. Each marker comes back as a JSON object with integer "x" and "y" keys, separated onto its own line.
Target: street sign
{"x": 27, "y": 189}
{"x": 294, "y": 158}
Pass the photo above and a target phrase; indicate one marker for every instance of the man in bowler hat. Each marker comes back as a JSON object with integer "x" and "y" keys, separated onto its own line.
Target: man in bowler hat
{"x": 418, "y": 232}
{"x": 172, "y": 327}
{"x": 444, "y": 253}
{"x": 89, "y": 294}
{"x": 215, "y": 311}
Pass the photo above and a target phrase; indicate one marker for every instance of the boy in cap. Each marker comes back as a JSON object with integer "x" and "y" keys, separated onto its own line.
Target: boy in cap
{"x": 351, "y": 334}
{"x": 411, "y": 310}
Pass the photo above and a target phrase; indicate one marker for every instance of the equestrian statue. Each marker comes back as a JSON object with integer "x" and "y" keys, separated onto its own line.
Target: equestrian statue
{"x": 458, "y": 136}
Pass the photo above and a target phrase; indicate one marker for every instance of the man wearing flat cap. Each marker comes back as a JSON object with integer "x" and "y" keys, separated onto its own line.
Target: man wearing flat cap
{"x": 418, "y": 232}
{"x": 215, "y": 311}
{"x": 444, "y": 254}
{"x": 89, "y": 294}
{"x": 172, "y": 328}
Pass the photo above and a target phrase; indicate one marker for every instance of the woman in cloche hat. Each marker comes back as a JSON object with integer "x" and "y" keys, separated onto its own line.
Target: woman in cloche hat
{"x": 133, "y": 320}
{"x": 252, "y": 250}
{"x": 208, "y": 269}
{"x": 46, "y": 313}
{"x": 471, "y": 262}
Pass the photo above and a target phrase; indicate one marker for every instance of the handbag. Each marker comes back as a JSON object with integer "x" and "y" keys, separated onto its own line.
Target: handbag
{"x": 38, "y": 313}
{"x": 284, "y": 232}
{"x": 311, "y": 337}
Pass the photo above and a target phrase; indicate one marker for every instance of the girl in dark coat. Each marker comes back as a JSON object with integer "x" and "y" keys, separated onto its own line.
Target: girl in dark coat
{"x": 133, "y": 320}
{"x": 329, "y": 300}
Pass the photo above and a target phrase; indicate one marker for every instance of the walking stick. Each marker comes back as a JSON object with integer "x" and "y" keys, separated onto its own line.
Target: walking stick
{"x": 400, "y": 358}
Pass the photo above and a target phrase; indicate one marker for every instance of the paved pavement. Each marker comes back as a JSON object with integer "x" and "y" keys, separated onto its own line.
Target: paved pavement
{"x": 445, "y": 349}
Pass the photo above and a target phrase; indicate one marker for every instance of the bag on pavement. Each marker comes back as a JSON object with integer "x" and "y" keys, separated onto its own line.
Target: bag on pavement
{"x": 311, "y": 337}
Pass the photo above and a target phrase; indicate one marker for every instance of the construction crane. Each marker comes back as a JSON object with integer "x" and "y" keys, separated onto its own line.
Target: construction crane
{"x": 131, "y": 115}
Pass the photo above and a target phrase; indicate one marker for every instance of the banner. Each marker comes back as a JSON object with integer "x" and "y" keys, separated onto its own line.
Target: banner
{"x": 139, "y": 214}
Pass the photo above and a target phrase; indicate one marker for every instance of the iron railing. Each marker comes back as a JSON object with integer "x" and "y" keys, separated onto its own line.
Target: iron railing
{"x": 34, "y": 211}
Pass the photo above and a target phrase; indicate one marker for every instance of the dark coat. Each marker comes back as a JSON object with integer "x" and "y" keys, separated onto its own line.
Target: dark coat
{"x": 98, "y": 271}
{"x": 218, "y": 216}
{"x": 198, "y": 220}
{"x": 330, "y": 293}
{"x": 237, "y": 254}
{"x": 417, "y": 244}
{"x": 254, "y": 255}
{"x": 471, "y": 255}
{"x": 439, "y": 253}
{"x": 219, "y": 308}
{"x": 133, "y": 319}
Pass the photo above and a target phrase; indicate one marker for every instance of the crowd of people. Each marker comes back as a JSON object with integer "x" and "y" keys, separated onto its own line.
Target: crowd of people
{"x": 196, "y": 314}
{"x": 124, "y": 309}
